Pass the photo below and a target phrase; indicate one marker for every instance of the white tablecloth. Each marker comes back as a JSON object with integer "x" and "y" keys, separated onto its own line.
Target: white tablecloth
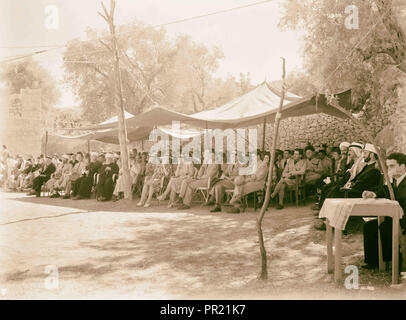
{"x": 337, "y": 211}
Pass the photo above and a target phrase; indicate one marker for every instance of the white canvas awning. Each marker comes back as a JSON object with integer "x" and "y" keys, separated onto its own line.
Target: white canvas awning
{"x": 253, "y": 108}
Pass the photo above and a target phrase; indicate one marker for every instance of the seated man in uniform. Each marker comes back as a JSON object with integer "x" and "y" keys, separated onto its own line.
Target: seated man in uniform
{"x": 293, "y": 168}
{"x": 226, "y": 181}
{"x": 188, "y": 187}
{"x": 314, "y": 168}
{"x": 244, "y": 185}
{"x": 396, "y": 163}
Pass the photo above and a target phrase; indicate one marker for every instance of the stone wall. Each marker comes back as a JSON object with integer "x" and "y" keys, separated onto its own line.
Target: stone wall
{"x": 314, "y": 129}
{"x": 397, "y": 129}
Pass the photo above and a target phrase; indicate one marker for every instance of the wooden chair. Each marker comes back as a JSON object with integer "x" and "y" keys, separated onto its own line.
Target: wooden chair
{"x": 299, "y": 190}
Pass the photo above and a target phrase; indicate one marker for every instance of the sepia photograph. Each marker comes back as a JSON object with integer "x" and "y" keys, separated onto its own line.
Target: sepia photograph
{"x": 183, "y": 151}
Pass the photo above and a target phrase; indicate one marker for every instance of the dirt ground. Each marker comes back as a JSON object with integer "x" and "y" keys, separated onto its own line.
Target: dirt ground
{"x": 117, "y": 251}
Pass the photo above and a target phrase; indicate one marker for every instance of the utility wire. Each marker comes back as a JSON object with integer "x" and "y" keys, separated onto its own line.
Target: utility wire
{"x": 155, "y": 26}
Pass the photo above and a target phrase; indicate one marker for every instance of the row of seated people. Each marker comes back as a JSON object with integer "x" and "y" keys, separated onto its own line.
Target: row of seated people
{"x": 74, "y": 175}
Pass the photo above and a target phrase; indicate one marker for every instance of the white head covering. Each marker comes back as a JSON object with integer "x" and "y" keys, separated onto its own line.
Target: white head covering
{"x": 109, "y": 156}
{"x": 344, "y": 144}
{"x": 357, "y": 148}
{"x": 369, "y": 147}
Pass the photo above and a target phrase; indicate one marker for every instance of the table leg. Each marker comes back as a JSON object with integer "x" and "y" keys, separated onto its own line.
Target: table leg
{"x": 395, "y": 250}
{"x": 329, "y": 233}
{"x": 381, "y": 263}
{"x": 337, "y": 255}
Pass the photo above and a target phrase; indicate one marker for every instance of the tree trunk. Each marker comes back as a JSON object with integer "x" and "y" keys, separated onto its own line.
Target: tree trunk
{"x": 122, "y": 130}
{"x": 264, "y": 268}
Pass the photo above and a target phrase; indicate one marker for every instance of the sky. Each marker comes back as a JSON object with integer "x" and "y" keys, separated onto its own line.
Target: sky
{"x": 249, "y": 38}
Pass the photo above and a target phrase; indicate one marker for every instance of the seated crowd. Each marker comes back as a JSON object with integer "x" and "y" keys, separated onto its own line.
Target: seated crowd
{"x": 346, "y": 171}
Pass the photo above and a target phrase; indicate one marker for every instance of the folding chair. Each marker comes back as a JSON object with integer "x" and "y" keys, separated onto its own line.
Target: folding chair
{"x": 204, "y": 191}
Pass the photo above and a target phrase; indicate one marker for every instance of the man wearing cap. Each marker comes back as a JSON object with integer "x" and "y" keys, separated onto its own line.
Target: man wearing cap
{"x": 396, "y": 163}
{"x": 325, "y": 163}
{"x": 314, "y": 169}
{"x": 44, "y": 176}
{"x": 294, "y": 167}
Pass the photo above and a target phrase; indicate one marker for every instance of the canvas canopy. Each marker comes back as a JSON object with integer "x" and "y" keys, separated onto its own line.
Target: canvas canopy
{"x": 134, "y": 134}
{"x": 252, "y": 108}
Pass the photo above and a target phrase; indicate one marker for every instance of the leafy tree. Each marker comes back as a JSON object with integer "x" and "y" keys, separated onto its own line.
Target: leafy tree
{"x": 178, "y": 73}
{"x": 29, "y": 74}
{"x": 369, "y": 60}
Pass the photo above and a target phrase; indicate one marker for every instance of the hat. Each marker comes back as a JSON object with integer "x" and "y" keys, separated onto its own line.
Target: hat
{"x": 109, "y": 156}
{"x": 344, "y": 144}
{"x": 356, "y": 145}
{"x": 116, "y": 155}
{"x": 49, "y": 157}
{"x": 65, "y": 156}
{"x": 370, "y": 147}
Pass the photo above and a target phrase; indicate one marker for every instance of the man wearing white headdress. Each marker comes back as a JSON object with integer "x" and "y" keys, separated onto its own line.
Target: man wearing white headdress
{"x": 368, "y": 178}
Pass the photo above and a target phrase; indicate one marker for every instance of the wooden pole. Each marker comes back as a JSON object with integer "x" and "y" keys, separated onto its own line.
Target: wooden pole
{"x": 88, "y": 147}
{"x": 122, "y": 130}
{"x": 263, "y": 136}
{"x": 264, "y": 268}
{"x": 46, "y": 142}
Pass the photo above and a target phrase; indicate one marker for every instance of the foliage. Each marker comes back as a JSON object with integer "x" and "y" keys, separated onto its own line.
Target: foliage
{"x": 29, "y": 74}
{"x": 369, "y": 60}
{"x": 156, "y": 69}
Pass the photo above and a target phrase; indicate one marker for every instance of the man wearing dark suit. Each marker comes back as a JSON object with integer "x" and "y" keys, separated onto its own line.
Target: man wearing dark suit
{"x": 105, "y": 186}
{"x": 44, "y": 176}
{"x": 396, "y": 163}
{"x": 86, "y": 184}
{"x": 369, "y": 178}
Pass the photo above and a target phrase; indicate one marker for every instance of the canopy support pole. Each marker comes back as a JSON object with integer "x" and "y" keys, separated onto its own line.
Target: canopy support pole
{"x": 88, "y": 146}
{"x": 263, "y": 136}
{"x": 46, "y": 142}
